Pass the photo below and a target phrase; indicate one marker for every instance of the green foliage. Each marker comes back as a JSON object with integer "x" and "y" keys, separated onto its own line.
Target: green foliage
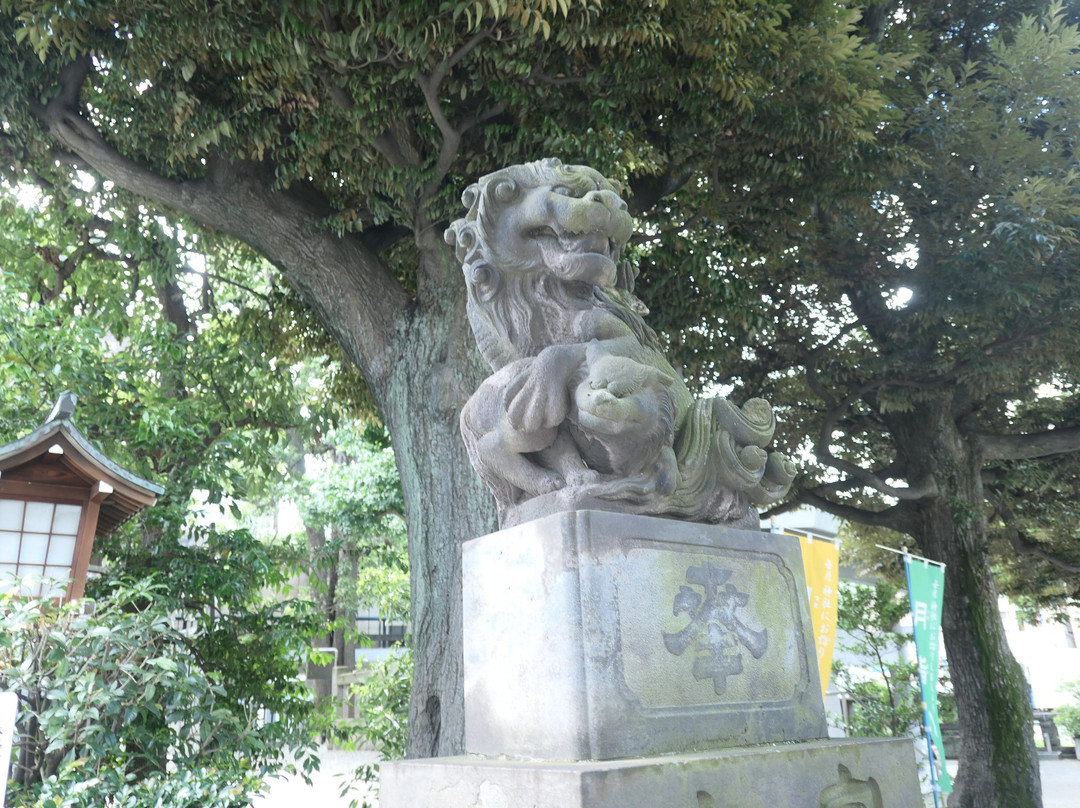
{"x": 242, "y": 622}
{"x": 119, "y": 704}
{"x": 352, "y": 503}
{"x": 207, "y": 413}
{"x": 344, "y": 96}
{"x": 383, "y": 699}
{"x": 353, "y": 500}
{"x": 370, "y": 117}
{"x": 386, "y": 588}
{"x": 1034, "y": 515}
{"x": 1067, "y": 716}
{"x": 169, "y": 392}
{"x": 913, "y": 322}
{"x": 359, "y": 491}
{"x": 939, "y": 272}
{"x": 884, "y": 208}
{"x": 187, "y": 394}
{"x": 883, "y": 688}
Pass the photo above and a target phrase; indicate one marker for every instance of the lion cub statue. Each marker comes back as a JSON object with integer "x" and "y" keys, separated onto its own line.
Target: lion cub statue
{"x": 583, "y": 410}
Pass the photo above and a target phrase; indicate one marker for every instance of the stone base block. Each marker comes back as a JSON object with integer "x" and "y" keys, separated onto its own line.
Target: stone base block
{"x": 816, "y": 774}
{"x": 597, "y": 636}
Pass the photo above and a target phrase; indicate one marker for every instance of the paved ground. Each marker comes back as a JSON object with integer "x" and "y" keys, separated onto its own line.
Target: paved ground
{"x": 1061, "y": 783}
{"x": 1060, "y": 779}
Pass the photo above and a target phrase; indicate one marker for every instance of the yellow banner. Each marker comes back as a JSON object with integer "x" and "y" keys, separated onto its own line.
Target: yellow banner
{"x": 821, "y": 561}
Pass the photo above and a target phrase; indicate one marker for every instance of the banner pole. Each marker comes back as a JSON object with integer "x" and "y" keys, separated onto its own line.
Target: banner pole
{"x": 907, "y": 555}
{"x": 808, "y": 535}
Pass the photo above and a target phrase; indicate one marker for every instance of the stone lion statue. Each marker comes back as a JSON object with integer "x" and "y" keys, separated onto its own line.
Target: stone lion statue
{"x": 583, "y": 410}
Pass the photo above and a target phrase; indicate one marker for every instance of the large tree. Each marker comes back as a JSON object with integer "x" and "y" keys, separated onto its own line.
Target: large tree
{"x": 922, "y": 327}
{"x": 335, "y": 138}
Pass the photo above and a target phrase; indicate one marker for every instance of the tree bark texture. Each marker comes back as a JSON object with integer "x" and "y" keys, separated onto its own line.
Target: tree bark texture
{"x": 446, "y": 504}
{"x": 999, "y": 765}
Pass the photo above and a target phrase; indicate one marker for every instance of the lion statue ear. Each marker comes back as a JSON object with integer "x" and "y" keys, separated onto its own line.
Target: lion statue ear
{"x": 462, "y": 236}
{"x": 483, "y": 279}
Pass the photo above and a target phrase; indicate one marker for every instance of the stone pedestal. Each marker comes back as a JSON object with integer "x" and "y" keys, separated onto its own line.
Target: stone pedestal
{"x": 811, "y": 774}
{"x": 594, "y": 636}
{"x": 617, "y": 660}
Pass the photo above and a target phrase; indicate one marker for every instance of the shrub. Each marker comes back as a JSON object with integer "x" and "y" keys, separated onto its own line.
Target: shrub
{"x": 1067, "y": 717}
{"x": 883, "y": 688}
{"x": 116, "y": 710}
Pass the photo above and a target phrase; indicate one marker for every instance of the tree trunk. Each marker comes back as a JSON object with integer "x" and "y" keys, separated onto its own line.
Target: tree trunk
{"x": 999, "y": 766}
{"x": 446, "y": 503}
{"x": 322, "y": 576}
{"x": 345, "y": 635}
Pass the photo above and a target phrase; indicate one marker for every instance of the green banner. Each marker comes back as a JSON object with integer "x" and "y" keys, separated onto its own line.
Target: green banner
{"x": 926, "y": 585}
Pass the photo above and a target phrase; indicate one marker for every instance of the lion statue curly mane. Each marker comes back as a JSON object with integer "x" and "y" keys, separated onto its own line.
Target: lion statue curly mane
{"x": 582, "y": 409}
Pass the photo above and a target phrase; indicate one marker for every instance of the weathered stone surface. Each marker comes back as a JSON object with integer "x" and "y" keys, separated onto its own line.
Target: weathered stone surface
{"x": 596, "y": 635}
{"x": 583, "y": 401}
{"x": 816, "y": 774}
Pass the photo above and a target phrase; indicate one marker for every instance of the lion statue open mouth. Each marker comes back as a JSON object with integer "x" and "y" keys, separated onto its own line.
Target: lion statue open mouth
{"x": 583, "y": 409}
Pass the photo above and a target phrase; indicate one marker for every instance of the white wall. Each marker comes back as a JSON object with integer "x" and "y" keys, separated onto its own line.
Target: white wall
{"x": 1047, "y": 652}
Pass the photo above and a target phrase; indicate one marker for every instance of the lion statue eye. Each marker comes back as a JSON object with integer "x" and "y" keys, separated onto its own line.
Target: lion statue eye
{"x": 505, "y": 191}
{"x": 563, "y": 190}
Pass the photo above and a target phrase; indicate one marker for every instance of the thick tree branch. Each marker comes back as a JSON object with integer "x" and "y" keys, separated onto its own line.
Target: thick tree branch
{"x": 379, "y": 237}
{"x": 357, "y": 297}
{"x": 66, "y": 124}
{"x": 895, "y": 518}
{"x": 836, "y": 409}
{"x": 1033, "y": 549}
{"x": 646, "y": 191}
{"x": 451, "y": 136}
{"x": 1035, "y": 444}
{"x": 1020, "y": 542}
{"x": 849, "y": 484}
{"x": 448, "y": 64}
{"x": 396, "y": 144}
{"x": 480, "y": 117}
{"x": 916, "y": 490}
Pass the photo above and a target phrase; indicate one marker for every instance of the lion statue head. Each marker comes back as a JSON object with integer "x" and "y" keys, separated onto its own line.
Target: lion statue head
{"x": 540, "y": 243}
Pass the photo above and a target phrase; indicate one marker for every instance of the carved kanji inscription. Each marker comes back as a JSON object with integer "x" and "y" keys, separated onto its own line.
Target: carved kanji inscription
{"x": 716, "y": 633}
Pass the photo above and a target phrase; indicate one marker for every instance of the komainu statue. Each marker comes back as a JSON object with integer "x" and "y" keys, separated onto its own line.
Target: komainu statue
{"x": 583, "y": 410}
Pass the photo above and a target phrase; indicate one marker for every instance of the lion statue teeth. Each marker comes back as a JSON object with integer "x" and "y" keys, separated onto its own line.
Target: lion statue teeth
{"x": 583, "y": 410}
